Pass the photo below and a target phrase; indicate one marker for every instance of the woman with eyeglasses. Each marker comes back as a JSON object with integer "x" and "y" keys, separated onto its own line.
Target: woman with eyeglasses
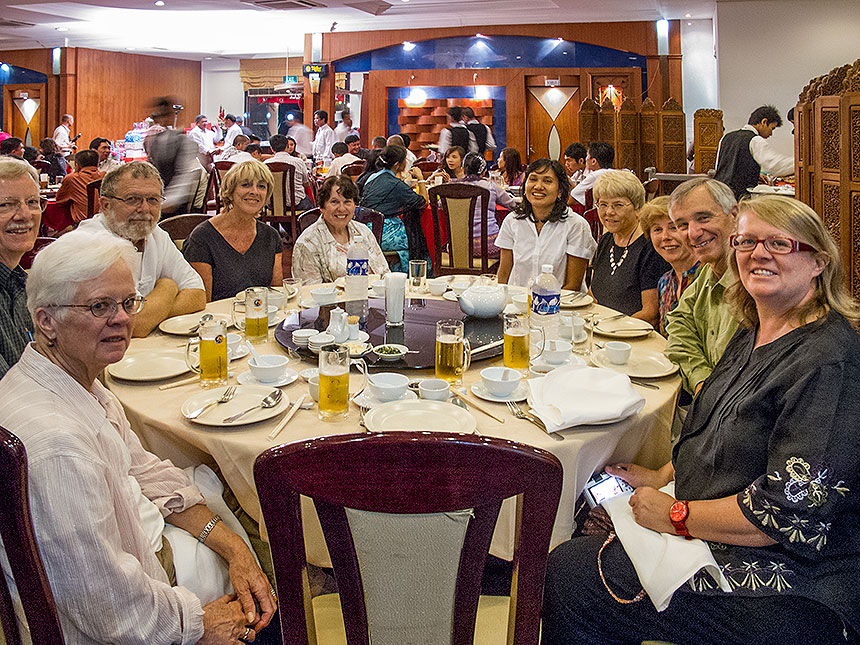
{"x": 132, "y": 546}
{"x": 626, "y": 266}
{"x": 234, "y": 250}
{"x": 765, "y": 471}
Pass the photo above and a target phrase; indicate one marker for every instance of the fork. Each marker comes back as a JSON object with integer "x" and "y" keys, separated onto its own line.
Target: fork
{"x": 519, "y": 413}
{"x": 229, "y": 393}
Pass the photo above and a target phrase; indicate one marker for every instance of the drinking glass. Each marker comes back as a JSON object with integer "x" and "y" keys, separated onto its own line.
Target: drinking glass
{"x": 334, "y": 366}
{"x": 516, "y": 341}
{"x": 211, "y": 346}
{"x": 418, "y": 276}
{"x": 582, "y": 327}
{"x": 453, "y": 353}
{"x": 255, "y": 321}
{"x": 292, "y": 294}
{"x": 395, "y": 298}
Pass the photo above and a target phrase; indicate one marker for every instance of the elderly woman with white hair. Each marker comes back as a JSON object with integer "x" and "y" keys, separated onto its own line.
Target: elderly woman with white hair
{"x": 113, "y": 521}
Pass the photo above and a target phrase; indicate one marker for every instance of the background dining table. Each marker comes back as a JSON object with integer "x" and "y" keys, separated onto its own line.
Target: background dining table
{"x": 155, "y": 416}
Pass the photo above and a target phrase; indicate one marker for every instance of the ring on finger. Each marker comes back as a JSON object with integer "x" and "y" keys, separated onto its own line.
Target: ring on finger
{"x": 274, "y": 595}
{"x": 247, "y": 633}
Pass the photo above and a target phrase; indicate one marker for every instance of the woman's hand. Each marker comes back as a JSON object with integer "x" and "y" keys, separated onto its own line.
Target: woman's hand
{"x": 224, "y": 622}
{"x": 440, "y": 173}
{"x": 637, "y": 476}
{"x": 651, "y": 509}
{"x": 416, "y": 173}
{"x": 250, "y": 583}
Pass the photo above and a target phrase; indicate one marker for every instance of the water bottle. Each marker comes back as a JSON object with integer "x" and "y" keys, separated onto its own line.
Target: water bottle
{"x": 357, "y": 270}
{"x": 546, "y": 303}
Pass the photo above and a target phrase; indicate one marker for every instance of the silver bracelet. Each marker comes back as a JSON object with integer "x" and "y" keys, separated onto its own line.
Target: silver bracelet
{"x": 208, "y": 529}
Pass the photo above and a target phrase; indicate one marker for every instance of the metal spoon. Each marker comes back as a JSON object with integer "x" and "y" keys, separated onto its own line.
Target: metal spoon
{"x": 271, "y": 400}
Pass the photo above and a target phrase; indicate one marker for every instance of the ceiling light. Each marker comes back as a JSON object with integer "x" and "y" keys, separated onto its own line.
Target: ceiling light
{"x": 208, "y": 58}
{"x": 688, "y": 15}
{"x": 4, "y": 67}
{"x": 131, "y": 49}
{"x": 480, "y": 36}
{"x": 159, "y": 3}
{"x": 560, "y": 39}
{"x": 408, "y": 46}
{"x": 689, "y": 24}
{"x": 482, "y": 92}
{"x": 62, "y": 28}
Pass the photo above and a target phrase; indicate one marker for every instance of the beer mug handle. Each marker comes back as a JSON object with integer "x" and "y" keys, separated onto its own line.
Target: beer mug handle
{"x": 362, "y": 367}
{"x": 542, "y": 340}
{"x": 467, "y": 355}
{"x": 188, "y": 361}
{"x": 239, "y": 321}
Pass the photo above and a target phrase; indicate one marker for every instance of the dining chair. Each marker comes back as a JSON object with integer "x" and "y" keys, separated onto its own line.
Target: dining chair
{"x": 41, "y": 165}
{"x": 354, "y": 169}
{"x": 652, "y": 187}
{"x": 92, "y": 197}
{"x": 282, "y": 207}
{"x": 179, "y": 227}
{"x": 22, "y": 552}
{"x": 40, "y": 243}
{"x": 452, "y": 208}
{"x": 373, "y": 219}
{"x": 307, "y": 218}
{"x": 594, "y": 223}
{"x": 427, "y": 167}
{"x": 408, "y": 518}
{"x": 219, "y": 169}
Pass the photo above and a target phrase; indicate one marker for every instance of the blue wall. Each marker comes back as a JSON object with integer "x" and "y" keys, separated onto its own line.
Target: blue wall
{"x": 10, "y": 75}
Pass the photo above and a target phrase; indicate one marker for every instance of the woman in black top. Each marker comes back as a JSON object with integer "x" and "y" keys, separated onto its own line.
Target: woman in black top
{"x": 626, "y": 266}
{"x": 51, "y": 153}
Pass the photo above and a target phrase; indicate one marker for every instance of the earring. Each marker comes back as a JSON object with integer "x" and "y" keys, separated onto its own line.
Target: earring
{"x": 50, "y": 342}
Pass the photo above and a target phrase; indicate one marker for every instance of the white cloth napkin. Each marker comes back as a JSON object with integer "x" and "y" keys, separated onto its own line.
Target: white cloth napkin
{"x": 662, "y": 561}
{"x": 576, "y": 395}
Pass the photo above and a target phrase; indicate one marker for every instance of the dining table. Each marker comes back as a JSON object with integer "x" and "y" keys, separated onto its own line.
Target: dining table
{"x": 155, "y": 415}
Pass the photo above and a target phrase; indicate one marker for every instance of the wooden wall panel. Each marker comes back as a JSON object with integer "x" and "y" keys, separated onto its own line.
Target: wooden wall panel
{"x": 39, "y": 60}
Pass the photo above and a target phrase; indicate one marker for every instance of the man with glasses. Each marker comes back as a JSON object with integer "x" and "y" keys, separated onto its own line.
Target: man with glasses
{"x": 702, "y": 324}
{"x": 130, "y": 202}
{"x": 20, "y": 217}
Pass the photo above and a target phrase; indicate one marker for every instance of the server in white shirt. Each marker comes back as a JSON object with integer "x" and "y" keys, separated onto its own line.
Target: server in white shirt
{"x": 102, "y": 147}
{"x": 62, "y": 134}
{"x": 344, "y": 128}
{"x": 233, "y": 129}
{"x": 342, "y": 157}
{"x": 324, "y": 138}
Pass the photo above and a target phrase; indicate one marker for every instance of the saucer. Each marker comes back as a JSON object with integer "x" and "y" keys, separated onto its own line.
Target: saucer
{"x": 542, "y": 367}
{"x": 240, "y": 352}
{"x": 290, "y": 376}
{"x": 308, "y": 373}
{"x": 450, "y": 295}
{"x": 367, "y": 400}
{"x": 521, "y": 393}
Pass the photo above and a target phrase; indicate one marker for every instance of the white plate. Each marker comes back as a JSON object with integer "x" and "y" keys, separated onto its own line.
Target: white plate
{"x": 182, "y": 325}
{"x": 357, "y": 349}
{"x": 391, "y": 357}
{"x": 521, "y": 393}
{"x": 151, "y": 366}
{"x": 276, "y": 319}
{"x": 623, "y": 328}
{"x": 643, "y": 363}
{"x": 368, "y": 400}
{"x": 569, "y": 302}
{"x": 246, "y": 378}
{"x": 541, "y": 366}
{"x": 362, "y": 337}
{"x": 246, "y": 396}
{"x": 311, "y": 304}
{"x": 415, "y": 416}
{"x": 450, "y": 295}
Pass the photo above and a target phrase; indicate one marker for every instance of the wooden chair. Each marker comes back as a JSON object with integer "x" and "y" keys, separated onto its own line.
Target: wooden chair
{"x": 594, "y": 223}
{"x": 453, "y": 228}
{"x": 179, "y": 227}
{"x": 92, "y": 197}
{"x": 40, "y": 243}
{"x": 427, "y": 167}
{"x": 373, "y": 219}
{"x": 41, "y": 165}
{"x": 371, "y": 486}
{"x": 307, "y": 218}
{"x": 22, "y": 550}
{"x": 652, "y": 187}
{"x": 282, "y": 207}
{"x": 219, "y": 169}
{"x": 354, "y": 169}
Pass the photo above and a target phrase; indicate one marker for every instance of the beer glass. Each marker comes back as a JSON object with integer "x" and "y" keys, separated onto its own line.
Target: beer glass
{"x": 334, "y": 366}
{"x": 453, "y": 353}
{"x": 255, "y": 321}
{"x": 516, "y": 342}
{"x": 211, "y": 346}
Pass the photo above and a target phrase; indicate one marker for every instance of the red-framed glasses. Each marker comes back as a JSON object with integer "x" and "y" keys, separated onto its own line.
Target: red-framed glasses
{"x": 773, "y": 243}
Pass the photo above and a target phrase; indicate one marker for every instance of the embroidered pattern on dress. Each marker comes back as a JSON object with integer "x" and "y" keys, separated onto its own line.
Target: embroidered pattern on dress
{"x": 772, "y": 576}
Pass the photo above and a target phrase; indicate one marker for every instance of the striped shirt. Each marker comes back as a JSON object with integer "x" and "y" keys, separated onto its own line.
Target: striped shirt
{"x": 14, "y": 317}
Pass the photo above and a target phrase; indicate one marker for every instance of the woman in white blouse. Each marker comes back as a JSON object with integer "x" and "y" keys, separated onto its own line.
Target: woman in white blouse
{"x": 545, "y": 231}
{"x": 320, "y": 252}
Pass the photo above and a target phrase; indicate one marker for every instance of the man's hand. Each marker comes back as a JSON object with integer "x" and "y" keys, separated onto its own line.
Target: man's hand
{"x": 651, "y": 509}
{"x": 250, "y": 583}
{"x": 636, "y": 476}
{"x": 223, "y": 622}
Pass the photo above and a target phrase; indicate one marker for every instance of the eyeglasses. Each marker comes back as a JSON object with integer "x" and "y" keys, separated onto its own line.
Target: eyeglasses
{"x": 136, "y": 200}
{"x": 9, "y": 206}
{"x": 775, "y": 244}
{"x": 616, "y": 206}
{"x": 107, "y": 308}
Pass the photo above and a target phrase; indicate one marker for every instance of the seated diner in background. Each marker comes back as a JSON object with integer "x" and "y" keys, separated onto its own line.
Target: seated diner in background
{"x": 320, "y": 252}
{"x": 130, "y": 201}
{"x": 452, "y": 165}
{"x": 600, "y": 157}
{"x": 776, "y": 504}
{"x": 385, "y": 192}
{"x": 73, "y": 190}
{"x": 511, "y": 167}
{"x": 51, "y": 153}
{"x": 475, "y": 166}
{"x": 673, "y": 247}
{"x": 20, "y": 218}
{"x": 626, "y": 267}
{"x": 132, "y": 549}
{"x": 545, "y": 231}
{"x": 234, "y": 250}
{"x": 281, "y": 147}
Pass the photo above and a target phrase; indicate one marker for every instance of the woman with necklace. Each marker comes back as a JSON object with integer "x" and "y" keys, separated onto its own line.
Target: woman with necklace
{"x": 626, "y": 266}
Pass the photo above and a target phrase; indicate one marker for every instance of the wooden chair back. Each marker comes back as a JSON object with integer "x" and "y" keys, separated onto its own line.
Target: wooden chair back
{"x": 453, "y": 210}
{"x": 307, "y": 218}
{"x": 354, "y": 169}
{"x": 427, "y": 167}
{"x": 594, "y": 223}
{"x": 405, "y": 473}
{"x": 179, "y": 227}
{"x": 22, "y": 551}
{"x": 282, "y": 207}
{"x": 373, "y": 219}
{"x": 652, "y": 187}
{"x": 93, "y": 188}
{"x": 40, "y": 243}
{"x": 219, "y": 169}
{"x": 41, "y": 165}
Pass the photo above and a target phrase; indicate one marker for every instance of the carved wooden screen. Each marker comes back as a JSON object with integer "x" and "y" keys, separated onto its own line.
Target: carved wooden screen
{"x": 648, "y": 135}
{"x": 826, "y": 140}
{"x": 606, "y": 127}
{"x": 804, "y": 168}
{"x": 850, "y": 175}
{"x": 588, "y": 122}
{"x": 672, "y": 138}
{"x": 707, "y": 132}
{"x": 627, "y": 138}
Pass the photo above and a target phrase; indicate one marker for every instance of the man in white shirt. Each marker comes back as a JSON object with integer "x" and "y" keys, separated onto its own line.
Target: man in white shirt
{"x": 278, "y": 143}
{"x": 203, "y": 135}
{"x": 574, "y": 163}
{"x": 599, "y": 159}
{"x": 62, "y": 134}
{"x": 130, "y": 202}
{"x": 233, "y": 130}
{"x": 236, "y": 152}
{"x": 744, "y": 154}
{"x": 344, "y": 128}
{"x": 102, "y": 147}
{"x": 401, "y": 140}
{"x": 324, "y": 138}
{"x": 456, "y": 134}
{"x": 342, "y": 157}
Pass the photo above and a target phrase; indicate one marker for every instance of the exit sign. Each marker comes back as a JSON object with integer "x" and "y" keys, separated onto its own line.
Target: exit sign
{"x": 291, "y": 79}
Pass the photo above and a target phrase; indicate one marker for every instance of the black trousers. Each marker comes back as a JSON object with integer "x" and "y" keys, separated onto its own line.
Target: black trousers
{"x": 579, "y": 609}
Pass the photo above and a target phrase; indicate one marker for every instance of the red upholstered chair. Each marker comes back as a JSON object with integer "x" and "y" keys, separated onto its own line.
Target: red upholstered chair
{"x": 40, "y": 243}
{"x": 93, "y": 189}
{"x": 407, "y": 493}
{"x": 354, "y": 169}
{"x": 307, "y": 218}
{"x": 373, "y": 219}
{"x": 179, "y": 227}
{"x": 16, "y": 529}
{"x": 427, "y": 167}
{"x": 594, "y": 223}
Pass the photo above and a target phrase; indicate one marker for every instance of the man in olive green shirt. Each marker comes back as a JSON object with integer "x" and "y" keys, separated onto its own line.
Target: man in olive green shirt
{"x": 701, "y": 325}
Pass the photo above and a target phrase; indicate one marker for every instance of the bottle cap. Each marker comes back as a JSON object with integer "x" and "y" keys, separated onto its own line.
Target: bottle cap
{"x": 546, "y": 268}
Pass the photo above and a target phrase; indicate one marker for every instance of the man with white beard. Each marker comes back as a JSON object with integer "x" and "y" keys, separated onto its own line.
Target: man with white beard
{"x": 130, "y": 203}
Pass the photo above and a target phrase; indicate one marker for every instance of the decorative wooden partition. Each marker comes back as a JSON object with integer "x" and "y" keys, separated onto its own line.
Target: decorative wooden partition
{"x": 827, "y": 159}
{"x": 423, "y": 124}
{"x": 707, "y": 132}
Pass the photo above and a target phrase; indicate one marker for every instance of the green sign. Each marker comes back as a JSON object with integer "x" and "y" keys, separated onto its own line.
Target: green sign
{"x": 291, "y": 79}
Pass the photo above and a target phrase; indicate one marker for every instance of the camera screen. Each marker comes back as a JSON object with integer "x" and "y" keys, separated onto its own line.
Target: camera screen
{"x": 609, "y": 487}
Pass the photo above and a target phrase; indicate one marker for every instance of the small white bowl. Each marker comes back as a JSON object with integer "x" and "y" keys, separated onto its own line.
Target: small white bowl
{"x": 273, "y": 313}
{"x": 434, "y": 389}
{"x": 388, "y": 386}
{"x": 270, "y": 370}
{"x": 378, "y": 287}
{"x": 500, "y": 381}
{"x": 520, "y": 302}
{"x": 320, "y": 339}
{"x": 459, "y": 287}
{"x": 617, "y": 352}
{"x": 314, "y": 387}
{"x": 437, "y": 287}
{"x": 556, "y": 352}
{"x": 324, "y": 295}
{"x": 233, "y": 341}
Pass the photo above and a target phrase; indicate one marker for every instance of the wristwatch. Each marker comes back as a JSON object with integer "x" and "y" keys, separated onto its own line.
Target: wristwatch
{"x": 678, "y": 514}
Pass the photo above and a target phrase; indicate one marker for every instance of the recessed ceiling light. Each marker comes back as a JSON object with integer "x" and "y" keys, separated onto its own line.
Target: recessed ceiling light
{"x": 159, "y": 3}
{"x": 131, "y": 49}
{"x": 208, "y": 58}
{"x": 408, "y": 46}
{"x": 688, "y": 15}
{"x": 62, "y": 28}
{"x": 689, "y": 24}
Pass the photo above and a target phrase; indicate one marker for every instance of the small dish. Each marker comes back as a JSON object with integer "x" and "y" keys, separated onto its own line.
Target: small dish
{"x": 357, "y": 349}
{"x": 367, "y": 400}
{"x": 521, "y": 393}
{"x": 241, "y": 352}
{"x": 540, "y": 367}
{"x": 450, "y": 295}
{"x": 393, "y": 353}
{"x": 290, "y": 376}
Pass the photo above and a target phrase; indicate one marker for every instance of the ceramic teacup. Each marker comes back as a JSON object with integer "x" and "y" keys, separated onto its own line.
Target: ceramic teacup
{"x": 617, "y": 352}
{"x": 434, "y": 389}
{"x": 500, "y": 381}
{"x": 556, "y": 352}
{"x": 270, "y": 369}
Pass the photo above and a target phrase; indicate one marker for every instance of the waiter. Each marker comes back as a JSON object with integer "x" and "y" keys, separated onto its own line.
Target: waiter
{"x": 62, "y": 135}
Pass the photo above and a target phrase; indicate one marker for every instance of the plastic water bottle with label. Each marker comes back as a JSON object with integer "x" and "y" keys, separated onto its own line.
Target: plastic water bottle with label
{"x": 546, "y": 303}
{"x": 357, "y": 270}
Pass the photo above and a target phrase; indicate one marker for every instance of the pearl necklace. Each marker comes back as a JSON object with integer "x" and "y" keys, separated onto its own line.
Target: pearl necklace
{"x": 612, "y": 262}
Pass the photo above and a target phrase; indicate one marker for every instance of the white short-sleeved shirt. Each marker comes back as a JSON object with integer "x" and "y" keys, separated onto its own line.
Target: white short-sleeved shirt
{"x": 161, "y": 259}
{"x": 557, "y": 240}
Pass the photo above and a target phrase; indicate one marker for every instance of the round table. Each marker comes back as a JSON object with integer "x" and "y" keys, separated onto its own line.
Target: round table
{"x": 155, "y": 416}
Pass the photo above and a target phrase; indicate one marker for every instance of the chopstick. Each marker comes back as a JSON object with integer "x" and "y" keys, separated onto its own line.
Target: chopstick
{"x": 641, "y": 383}
{"x": 476, "y": 405}
{"x": 274, "y": 433}
{"x": 495, "y": 343}
{"x": 185, "y": 381}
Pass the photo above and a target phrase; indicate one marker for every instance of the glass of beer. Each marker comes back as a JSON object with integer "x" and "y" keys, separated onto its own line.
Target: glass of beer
{"x": 334, "y": 366}
{"x": 516, "y": 355}
{"x": 255, "y": 321}
{"x": 453, "y": 353}
{"x": 211, "y": 346}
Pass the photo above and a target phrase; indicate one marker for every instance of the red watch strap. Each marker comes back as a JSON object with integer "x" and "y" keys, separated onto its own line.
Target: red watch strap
{"x": 678, "y": 514}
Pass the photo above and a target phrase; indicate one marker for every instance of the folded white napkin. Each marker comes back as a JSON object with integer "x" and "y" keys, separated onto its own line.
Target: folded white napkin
{"x": 576, "y": 395}
{"x": 662, "y": 561}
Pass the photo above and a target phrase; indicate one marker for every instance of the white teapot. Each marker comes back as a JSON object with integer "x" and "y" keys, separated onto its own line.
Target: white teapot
{"x": 483, "y": 301}
{"x": 337, "y": 326}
